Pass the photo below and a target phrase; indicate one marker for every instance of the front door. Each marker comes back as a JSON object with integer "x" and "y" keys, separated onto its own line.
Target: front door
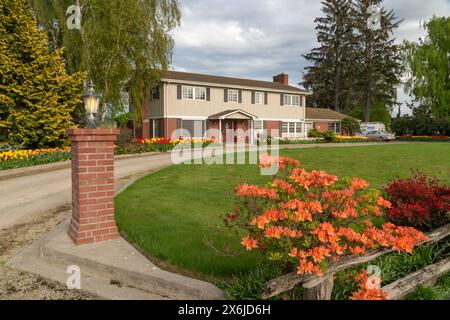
{"x": 229, "y": 131}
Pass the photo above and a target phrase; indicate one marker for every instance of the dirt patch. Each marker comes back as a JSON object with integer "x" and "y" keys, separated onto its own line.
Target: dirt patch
{"x": 15, "y": 285}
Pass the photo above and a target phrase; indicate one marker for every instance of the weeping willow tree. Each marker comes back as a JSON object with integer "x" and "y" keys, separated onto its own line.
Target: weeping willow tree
{"x": 122, "y": 45}
{"x": 428, "y": 67}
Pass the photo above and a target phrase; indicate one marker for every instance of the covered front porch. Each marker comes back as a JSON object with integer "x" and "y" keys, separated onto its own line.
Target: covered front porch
{"x": 234, "y": 126}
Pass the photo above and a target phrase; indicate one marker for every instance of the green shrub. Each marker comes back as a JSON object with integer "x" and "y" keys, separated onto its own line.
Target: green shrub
{"x": 329, "y": 136}
{"x": 350, "y": 126}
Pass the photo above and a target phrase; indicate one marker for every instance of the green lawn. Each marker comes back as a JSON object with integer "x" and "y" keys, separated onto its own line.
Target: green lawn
{"x": 175, "y": 215}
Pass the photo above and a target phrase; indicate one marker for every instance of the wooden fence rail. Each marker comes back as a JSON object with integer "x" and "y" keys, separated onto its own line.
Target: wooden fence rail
{"x": 319, "y": 288}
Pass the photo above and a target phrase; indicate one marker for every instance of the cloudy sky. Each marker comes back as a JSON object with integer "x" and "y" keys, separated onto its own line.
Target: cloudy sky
{"x": 259, "y": 38}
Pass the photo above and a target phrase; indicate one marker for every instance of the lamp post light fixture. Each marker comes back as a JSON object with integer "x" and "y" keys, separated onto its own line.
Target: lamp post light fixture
{"x": 91, "y": 103}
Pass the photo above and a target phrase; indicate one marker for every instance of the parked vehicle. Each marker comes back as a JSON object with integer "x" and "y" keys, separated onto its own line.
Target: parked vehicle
{"x": 379, "y": 136}
{"x": 372, "y": 126}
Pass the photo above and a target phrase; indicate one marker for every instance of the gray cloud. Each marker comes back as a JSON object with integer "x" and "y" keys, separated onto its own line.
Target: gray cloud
{"x": 260, "y": 38}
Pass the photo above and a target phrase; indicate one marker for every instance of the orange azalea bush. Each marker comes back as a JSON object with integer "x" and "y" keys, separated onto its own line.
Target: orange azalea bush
{"x": 304, "y": 220}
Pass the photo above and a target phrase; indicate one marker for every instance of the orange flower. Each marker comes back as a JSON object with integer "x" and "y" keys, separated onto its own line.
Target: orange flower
{"x": 315, "y": 207}
{"x": 260, "y": 221}
{"x": 249, "y": 243}
{"x": 321, "y": 178}
{"x": 305, "y": 267}
{"x": 319, "y": 253}
{"x": 283, "y": 185}
{"x": 300, "y": 176}
{"x": 359, "y": 184}
{"x": 384, "y": 203}
{"x": 326, "y": 233}
{"x": 302, "y": 215}
{"x": 266, "y": 161}
{"x": 293, "y": 204}
{"x": 273, "y": 232}
{"x": 357, "y": 250}
{"x": 246, "y": 190}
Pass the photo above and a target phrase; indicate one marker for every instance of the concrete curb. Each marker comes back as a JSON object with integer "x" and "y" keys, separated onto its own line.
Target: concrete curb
{"x": 113, "y": 261}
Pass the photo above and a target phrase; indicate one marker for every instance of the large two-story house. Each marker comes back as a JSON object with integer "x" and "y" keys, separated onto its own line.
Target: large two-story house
{"x": 225, "y": 107}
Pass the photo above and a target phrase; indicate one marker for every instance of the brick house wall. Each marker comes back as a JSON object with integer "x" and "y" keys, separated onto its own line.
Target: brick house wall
{"x": 270, "y": 126}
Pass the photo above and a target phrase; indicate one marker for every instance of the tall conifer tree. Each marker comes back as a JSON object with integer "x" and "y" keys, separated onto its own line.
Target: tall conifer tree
{"x": 37, "y": 96}
{"x": 378, "y": 62}
{"x": 329, "y": 77}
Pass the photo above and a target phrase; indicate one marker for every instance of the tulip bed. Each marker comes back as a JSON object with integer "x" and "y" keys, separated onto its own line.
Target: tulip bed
{"x": 28, "y": 158}
{"x": 159, "y": 145}
{"x": 337, "y": 139}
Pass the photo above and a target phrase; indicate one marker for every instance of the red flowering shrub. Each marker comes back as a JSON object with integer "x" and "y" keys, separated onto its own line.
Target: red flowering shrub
{"x": 305, "y": 220}
{"x": 419, "y": 202}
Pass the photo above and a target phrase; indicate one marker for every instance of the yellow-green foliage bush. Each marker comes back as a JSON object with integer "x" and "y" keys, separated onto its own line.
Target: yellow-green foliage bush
{"x": 37, "y": 96}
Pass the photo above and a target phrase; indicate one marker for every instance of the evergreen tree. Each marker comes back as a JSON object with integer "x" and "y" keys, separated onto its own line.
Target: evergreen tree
{"x": 329, "y": 78}
{"x": 428, "y": 65}
{"x": 377, "y": 58}
{"x": 123, "y": 45}
{"x": 36, "y": 94}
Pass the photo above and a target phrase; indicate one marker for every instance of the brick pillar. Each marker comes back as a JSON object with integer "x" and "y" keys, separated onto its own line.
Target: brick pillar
{"x": 92, "y": 185}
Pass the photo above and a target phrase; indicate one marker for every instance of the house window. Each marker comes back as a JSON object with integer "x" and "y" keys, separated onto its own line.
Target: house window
{"x": 233, "y": 96}
{"x": 155, "y": 93}
{"x": 157, "y": 132}
{"x": 194, "y": 93}
{"x": 258, "y": 125}
{"x": 196, "y": 128}
{"x": 291, "y": 100}
{"x": 292, "y": 129}
{"x": 309, "y": 127}
{"x": 200, "y": 94}
{"x": 335, "y": 127}
{"x": 259, "y": 97}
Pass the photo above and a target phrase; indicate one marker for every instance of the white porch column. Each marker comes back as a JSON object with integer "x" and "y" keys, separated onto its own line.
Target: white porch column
{"x": 220, "y": 131}
{"x": 252, "y": 132}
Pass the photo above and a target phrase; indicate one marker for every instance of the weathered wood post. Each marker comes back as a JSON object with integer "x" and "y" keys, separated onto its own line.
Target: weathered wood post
{"x": 320, "y": 291}
{"x": 92, "y": 185}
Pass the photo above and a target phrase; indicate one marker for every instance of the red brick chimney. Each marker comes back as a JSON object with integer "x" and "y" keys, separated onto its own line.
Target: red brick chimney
{"x": 282, "y": 78}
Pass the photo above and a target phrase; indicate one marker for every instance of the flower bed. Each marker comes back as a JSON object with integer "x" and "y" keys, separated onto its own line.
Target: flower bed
{"x": 352, "y": 139}
{"x": 159, "y": 145}
{"x": 316, "y": 140}
{"x": 424, "y": 138}
{"x": 28, "y": 158}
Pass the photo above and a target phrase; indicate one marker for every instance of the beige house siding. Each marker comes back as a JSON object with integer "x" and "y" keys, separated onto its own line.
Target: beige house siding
{"x": 175, "y": 108}
{"x": 156, "y": 107}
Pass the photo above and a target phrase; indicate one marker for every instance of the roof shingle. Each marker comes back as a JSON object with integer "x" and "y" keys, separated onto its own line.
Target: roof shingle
{"x": 228, "y": 81}
{"x": 324, "y": 114}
